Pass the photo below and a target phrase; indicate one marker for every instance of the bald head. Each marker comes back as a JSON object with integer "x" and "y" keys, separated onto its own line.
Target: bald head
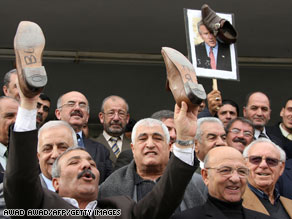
{"x": 225, "y": 173}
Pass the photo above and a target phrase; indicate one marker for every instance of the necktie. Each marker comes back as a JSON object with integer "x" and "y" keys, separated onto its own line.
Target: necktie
{"x": 80, "y": 141}
{"x": 262, "y": 135}
{"x": 115, "y": 147}
{"x": 212, "y": 59}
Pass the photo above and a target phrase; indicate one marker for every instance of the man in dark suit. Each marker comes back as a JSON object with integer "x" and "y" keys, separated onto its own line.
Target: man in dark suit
{"x": 211, "y": 48}
{"x": 73, "y": 107}
{"x": 225, "y": 175}
{"x": 75, "y": 176}
{"x": 283, "y": 130}
{"x": 8, "y": 111}
{"x": 114, "y": 116}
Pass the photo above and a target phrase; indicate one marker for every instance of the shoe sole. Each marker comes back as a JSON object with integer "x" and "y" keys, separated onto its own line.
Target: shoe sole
{"x": 29, "y": 43}
{"x": 194, "y": 91}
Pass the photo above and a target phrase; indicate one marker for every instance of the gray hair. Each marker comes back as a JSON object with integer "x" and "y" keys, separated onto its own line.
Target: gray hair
{"x": 200, "y": 23}
{"x": 59, "y": 101}
{"x": 56, "y": 171}
{"x": 113, "y": 97}
{"x": 7, "y": 76}
{"x": 57, "y": 123}
{"x": 268, "y": 141}
{"x": 201, "y": 121}
{"x": 163, "y": 114}
{"x": 149, "y": 122}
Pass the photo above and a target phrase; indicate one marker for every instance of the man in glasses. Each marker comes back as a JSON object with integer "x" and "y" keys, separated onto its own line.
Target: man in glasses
{"x": 114, "y": 116}
{"x": 225, "y": 174}
{"x": 43, "y": 106}
{"x": 240, "y": 133}
{"x": 73, "y": 107}
{"x": 266, "y": 162}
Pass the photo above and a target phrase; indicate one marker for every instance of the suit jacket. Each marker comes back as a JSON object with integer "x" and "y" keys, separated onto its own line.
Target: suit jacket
{"x": 285, "y": 181}
{"x": 282, "y": 141}
{"x": 122, "y": 182}
{"x": 101, "y": 155}
{"x": 223, "y": 57}
{"x": 252, "y": 202}
{"x": 126, "y": 144}
{"x": 209, "y": 210}
{"x": 124, "y": 159}
{"x": 23, "y": 190}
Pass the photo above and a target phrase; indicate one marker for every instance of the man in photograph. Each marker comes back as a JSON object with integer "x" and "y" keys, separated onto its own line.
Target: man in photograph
{"x": 211, "y": 53}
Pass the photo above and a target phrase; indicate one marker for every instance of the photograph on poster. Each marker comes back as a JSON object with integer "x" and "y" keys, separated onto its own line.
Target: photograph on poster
{"x": 210, "y": 57}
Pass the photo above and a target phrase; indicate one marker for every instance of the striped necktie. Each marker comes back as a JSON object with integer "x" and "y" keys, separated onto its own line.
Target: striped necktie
{"x": 115, "y": 147}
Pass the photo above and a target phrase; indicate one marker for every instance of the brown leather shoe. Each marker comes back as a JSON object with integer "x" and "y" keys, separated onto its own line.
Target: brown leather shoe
{"x": 29, "y": 43}
{"x": 181, "y": 78}
{"x": 220, "y": 27}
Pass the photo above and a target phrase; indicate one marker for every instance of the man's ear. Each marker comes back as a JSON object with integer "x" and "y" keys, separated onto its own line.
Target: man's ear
{"x": 205, "y": 176}
{"x": 282, "y": 112}
{"x": 128, "y": 117}
{"x": 55, "y": 182}
{"x": 101, "y": 117}
{"x": 196, "y": 147}
{"x": 244, "y": 111}
{"x": 5, "y": 90}
{"x": 58, "y": 113}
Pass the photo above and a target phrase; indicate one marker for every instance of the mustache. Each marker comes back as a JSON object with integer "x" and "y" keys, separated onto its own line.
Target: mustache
{"x": 40, "y": 117}
{"x": 84, "y": 172}
{"x": 76, "y": 113}
{"x": 241, "y": 140}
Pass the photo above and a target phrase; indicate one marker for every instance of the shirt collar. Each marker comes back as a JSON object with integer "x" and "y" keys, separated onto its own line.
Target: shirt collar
{"x": 90, "y": 206}
{"x": 208, "y": 47}
{"x": 3, "y": 149}
{"x": 263, "y": 195}
{"x": 49, "y": 183}
{"x": 284, "y": 132}
{"x": 108, "y": 137}
{"x": 80, "y": 134}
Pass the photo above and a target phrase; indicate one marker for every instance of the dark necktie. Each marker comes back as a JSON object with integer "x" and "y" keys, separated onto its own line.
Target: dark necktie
{"x": 115, "y": 147}
{"x": 262, "y": 135}
{"x": 80, "y": 141}
{"x": 212, "y": 59}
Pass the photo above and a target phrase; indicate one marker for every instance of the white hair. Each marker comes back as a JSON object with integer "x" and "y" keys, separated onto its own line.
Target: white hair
{"x": 201, "y": 121}
{"x": 268, "y": 141}
{"x": 149, "y": 122}
{"x": 57, "y": 123}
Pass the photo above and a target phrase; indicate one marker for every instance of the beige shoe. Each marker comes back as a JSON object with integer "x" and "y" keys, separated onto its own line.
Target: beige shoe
{"x": 29, "y": 43}
{"x": 181, "y": 78}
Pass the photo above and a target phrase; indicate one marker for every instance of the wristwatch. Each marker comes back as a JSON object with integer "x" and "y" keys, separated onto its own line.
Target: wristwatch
{"x": 185, "y": 143}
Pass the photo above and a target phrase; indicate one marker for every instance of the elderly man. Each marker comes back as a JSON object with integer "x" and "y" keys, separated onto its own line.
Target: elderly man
{"x": 8, "y": 112}
{"x": 114, "y": 116}
{"x": 75, "y": 176}
{"x": 240, "y": 132}
{"x": 211, "y": 53}
{"x": 151, "y": 154}
{"x": 225, "y": 175}
{"x": 210, "y": 133}
{"x": 44, "y": 104}
{"x": 266, "y": 162}
{"x": 54, "y": 138}
{"x": 73, "y": 107}
{"x": 283, "y": 130}
{"x": 9, "y": 84}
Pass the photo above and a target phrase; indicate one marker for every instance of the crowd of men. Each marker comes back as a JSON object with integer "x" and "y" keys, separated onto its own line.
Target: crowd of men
{"x": 174, "y": 166}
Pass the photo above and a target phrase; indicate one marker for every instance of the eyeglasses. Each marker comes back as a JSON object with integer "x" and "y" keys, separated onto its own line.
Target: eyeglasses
{"x": 72, "y": 104}
{"x": 245, "y": 133}
{"x": 228, "y": 171}
{"x": 256, "y": 160}
{"x": 111, "y": 114}
{"x": 45, "y": 108}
